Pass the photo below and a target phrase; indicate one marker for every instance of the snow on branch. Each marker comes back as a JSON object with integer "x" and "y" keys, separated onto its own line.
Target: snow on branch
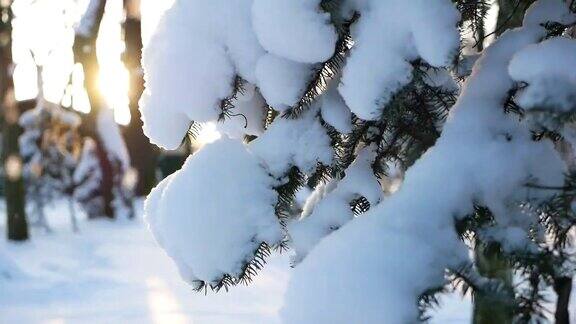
{"x": 215, "y": 222}
{"x": 333, "y": 210}
{"x": 381, "y": 263}
{"x": 335, "y": 94}
{"x": 389, "y": 34}
{"x": 544, "y": 67}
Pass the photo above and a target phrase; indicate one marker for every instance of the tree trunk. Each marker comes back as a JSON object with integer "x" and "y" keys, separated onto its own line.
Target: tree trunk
{"x": 85, "y": 54}
{"x": 481, "y": 32}
{"x": 563, "y": 288}
{"x": 489, "y": 309}
{"x": 11, "y": 160}
{"x": 72, "y": 212}
{"x": 143, "y": 155}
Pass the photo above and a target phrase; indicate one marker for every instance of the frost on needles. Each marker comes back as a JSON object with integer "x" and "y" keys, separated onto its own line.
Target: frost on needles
{"x": 344, "y": 100}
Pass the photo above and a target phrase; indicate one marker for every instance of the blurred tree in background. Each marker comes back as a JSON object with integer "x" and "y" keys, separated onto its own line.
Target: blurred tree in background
{"x": 11, "y": 159}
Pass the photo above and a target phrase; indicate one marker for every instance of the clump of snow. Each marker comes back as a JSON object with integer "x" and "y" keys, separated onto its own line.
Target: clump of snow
{"x": 209, "y": 217}
{"x": 191, "y": 62}
{"x": 545, "y": 11}
{"x": 402, "y": 247}
{"x": 152, "y": 206}
{"x": 295, "y": 29}
{"x": 389, "y": 34}
{"x": 333, "y": 211}
{"x": 301, "y": 142}
{"x": 335, "y": 112}
{"x": 282, "y": 81}
{"x": 545, "y": 67}
{"x": 441, "y": 78}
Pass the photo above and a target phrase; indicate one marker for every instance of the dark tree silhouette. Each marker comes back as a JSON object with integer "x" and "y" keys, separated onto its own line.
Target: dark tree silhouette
{"x": 143, "y": 155}
{"x": 12, "y": 161}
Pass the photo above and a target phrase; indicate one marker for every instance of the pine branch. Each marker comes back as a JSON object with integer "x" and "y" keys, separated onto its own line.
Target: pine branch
{"x": 360, "y": 205}
{"x": 325, "y": 72}
{"x": 249, "y": 271}
{"x": 428, "y": 300}
{"x": 287, "y": 193}
{"x": 227, "y": 104}
{"x": 467, "y": 279}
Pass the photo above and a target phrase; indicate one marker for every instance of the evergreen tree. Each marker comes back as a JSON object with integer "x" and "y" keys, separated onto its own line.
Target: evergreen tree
{"x": 49, "y": 146}
{"x": 87, "y": 177}
{"x": 351, "y": 99}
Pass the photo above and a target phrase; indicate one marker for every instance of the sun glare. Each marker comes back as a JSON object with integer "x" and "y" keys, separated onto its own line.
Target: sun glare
{"x": 114, "y": 78}
{"x": 43, "y": 35}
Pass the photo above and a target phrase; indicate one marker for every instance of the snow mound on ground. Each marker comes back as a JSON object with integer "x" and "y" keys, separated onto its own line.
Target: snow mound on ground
{"x": 8, "y": 269}
{"x": 209, "y": 217}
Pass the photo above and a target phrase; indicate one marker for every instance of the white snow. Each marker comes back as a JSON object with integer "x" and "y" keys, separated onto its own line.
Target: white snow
{"x": 300, "y": 142}
{"x": 544, "y": 11}
{"x": 109, "y": 133}
{"x": 388, "y": 35}
{"x": 8, "y": 269}
{"x": 200, "y": 47}
{"x": 546, "y": 69}
{"x": 294, "y": 29}
{"x": 379, "y": 263}
{"x": 335, "y": 112}
{"x": 209, "y": 217}
{"x": 282, "y": 81}
{"x": 114, "y": 272}
{"x": 190, "y": 64}
{"x": 333, "y": 210}
{"x": 247, "y": 116}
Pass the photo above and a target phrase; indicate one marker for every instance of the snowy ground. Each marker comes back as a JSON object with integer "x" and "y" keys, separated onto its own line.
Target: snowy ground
{"x": 113, "y": 272}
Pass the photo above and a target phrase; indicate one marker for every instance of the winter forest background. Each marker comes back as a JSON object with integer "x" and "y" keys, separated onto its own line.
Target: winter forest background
{"x": 287, "y": 161}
